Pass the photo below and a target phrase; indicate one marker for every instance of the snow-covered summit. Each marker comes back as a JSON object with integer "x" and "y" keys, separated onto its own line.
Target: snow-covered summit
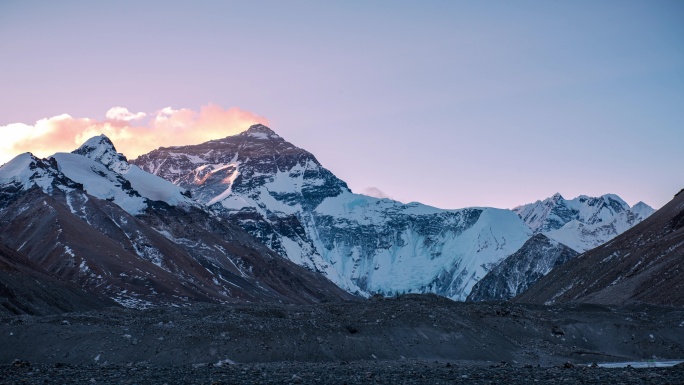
{"x": 642, "y": 210}
{"x": 260, "y": 131}
{"x": 101, "y": 149}
{"x": 19, "y": 169}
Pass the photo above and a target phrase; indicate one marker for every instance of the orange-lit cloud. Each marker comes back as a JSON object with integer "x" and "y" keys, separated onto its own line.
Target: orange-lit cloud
{"x": 131, "y": 133}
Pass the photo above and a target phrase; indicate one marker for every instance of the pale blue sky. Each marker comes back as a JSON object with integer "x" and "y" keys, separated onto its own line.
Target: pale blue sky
{"x": 450, "y": 103}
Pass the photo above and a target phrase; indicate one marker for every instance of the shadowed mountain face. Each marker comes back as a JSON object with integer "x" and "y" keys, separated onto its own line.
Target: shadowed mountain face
{"x": 92, "y": 219}
{"x": 522, "y": 269}
{"x": 644, "y": 264}
{"x": 26, "y": 288}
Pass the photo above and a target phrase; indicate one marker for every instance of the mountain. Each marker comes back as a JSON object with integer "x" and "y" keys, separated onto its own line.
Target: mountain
{"x": 95, "y": 220}
{"x": 584, "y": 222}
{"x": 642, "y": 265}
{"x": 26, "y": 288}
{"x": 521, "y": 269}
{"x": 211, "y": 222}
{"x": 284, "y": 197}
{"x": 563, "y": 228}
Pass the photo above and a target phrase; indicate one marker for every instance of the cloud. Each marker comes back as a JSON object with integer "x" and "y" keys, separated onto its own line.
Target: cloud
{"x": 166, "y": 127}
{"x": 375, "y": 192}
{"x": 122, "y": 113}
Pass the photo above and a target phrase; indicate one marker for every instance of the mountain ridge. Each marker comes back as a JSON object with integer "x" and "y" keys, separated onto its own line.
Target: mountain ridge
{"x": 94, "y": 220}
{"x": 256, "y": 184}
{"x": 283, "y": 196}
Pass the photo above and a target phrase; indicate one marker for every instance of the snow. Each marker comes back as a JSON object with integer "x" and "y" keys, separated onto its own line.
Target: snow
{"x": 194, "y": 159}
{"x": 18, "y": 171}
{"x": 228, "y": 181}
{"x": 642, "y": 210}
{"x": 98, "y": 181}
{"x": 105, "y": 183}
{"x": 155, "y": 188}
{"x": 367, "y": 210}
{"x": 258, "y": 135}
{"x": 585, "y": 222}
{"x": 413, "y": 266}
{"x": 225, "y": 361}
{"x": 641, "y": 364}
{"x": 130, "y": 301}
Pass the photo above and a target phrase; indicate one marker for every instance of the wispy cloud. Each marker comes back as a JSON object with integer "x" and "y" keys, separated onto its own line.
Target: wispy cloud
{"x": 375, "y": 192}
{"x": 133, "y": 134}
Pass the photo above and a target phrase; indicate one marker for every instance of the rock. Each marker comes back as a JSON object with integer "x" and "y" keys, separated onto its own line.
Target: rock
{"x": 17, "y": 363}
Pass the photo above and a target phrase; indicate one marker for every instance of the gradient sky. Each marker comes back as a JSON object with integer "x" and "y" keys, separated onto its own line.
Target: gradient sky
{"x": 449, "y": 103}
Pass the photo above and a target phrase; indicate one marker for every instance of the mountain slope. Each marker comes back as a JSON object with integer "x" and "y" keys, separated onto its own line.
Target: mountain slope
{"x": 26, "y": 288}
{"x": 284, "y": 197}
{"x": 522, "y": 269}
{"x": 644, "y": 264}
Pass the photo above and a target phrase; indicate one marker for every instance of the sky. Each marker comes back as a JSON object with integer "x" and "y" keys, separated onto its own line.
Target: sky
{"x": 448, "y": 103}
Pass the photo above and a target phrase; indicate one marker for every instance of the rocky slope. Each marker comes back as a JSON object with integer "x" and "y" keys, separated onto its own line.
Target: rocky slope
{"x": 644, "y": 264}
{"x": 26, "y": 288}
{"x": 283, "y": 196}
{"x": 95, "y": 220}
{"x": 522, "y": 269}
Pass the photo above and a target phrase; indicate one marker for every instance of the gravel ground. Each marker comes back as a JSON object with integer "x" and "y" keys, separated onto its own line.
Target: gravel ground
{"x": 410, "y": 339}
{"x": 362, "y": 372}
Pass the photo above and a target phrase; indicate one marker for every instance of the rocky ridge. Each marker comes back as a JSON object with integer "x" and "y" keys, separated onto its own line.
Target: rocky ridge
{"x": 536, "y": 258}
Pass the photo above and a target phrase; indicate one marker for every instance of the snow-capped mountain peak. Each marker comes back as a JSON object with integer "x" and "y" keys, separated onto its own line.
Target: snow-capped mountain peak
{"x": 26, "y": 171}
{"x": 642, "y": 210}
{"x": 101, "y": 149}
{"x": 285, "y": 198}
{"x": 555, "y": 198}
{"x": 584, "y": 222}
{"x": 19, "y": 170}
{"x": 260, "y": 131}
{"x": 97, "y": 169}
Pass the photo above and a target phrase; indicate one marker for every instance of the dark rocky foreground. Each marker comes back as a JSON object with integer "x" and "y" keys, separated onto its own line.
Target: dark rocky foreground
{"x": 360, "y": 372}
{"x": 410, "y": 339}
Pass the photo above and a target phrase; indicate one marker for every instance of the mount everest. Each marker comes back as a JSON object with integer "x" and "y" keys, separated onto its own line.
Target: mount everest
{"x": 211, "y": 222}
{"x": 285, "y": 198}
